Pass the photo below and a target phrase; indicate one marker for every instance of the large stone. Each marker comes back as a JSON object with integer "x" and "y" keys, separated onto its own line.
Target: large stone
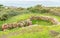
{"x": 57, "y": 36}
{"x": 15, "y": 25}
{"x": 4, "y": 26}
{"x": 53, "y": 33}
{"x": 28, "y": 22}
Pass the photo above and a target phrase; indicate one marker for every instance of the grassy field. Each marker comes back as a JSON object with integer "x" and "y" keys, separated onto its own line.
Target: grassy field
{"x": 26, "y": 16}
{"x": 40, "y": 29}
{"x": 35, "y": 31}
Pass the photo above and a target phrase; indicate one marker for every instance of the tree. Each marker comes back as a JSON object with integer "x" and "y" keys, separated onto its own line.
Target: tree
{"x": 1, "y": 5}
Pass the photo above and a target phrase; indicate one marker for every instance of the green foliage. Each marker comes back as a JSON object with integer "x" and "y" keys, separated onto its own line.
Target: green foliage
{"x": 41, "y": 30}
{"x": 4, "y": 17}
{"x": 39, "y": 9}
{"x": 1, "y": 6}
{"x": 45, "y": 11}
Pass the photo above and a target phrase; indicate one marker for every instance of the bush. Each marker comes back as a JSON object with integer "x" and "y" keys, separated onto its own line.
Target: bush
{"x": 3, "y": 17}
{"x": 39, "y": 9}
{"x": 13, "y": 13}
{"x": 8, "y": 14}
{"x": 44, "y": 10}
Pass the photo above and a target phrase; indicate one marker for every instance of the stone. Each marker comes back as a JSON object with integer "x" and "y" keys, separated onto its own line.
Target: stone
{"x": 4, "y": 26}
{"x": 53, "y": 33}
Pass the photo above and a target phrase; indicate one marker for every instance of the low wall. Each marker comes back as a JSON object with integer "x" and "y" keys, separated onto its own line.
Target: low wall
{"x": 29, "y": 22}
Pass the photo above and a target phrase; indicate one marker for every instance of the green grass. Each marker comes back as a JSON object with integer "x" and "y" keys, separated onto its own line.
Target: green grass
{"x": 25, "y": 16}
{"x": 42, "y": 22}
{"x": 31, "y": 32}
{"x": 40, "y": 31}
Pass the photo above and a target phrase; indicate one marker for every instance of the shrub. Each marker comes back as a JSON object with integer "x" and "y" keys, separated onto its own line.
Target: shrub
{"x": 44, "y": 10}
{"x": 13, "y": 13}
{"x": 8, "y": 14}
{"x": 3, "y": 17}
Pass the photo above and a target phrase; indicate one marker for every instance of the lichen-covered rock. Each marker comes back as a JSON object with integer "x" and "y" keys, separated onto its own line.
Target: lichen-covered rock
{"x": 43, "y": 18}
{"x": 15, "y": 25}
{"x": 21, "y": 24}
{"x": 10, "y": 26}
{"x": 4, "y": 26}
{"x": 57, "y": 36}
{"x": 28, "y": 22}
{"x": 53, "y": 20}
{"x": 53, "y": 33}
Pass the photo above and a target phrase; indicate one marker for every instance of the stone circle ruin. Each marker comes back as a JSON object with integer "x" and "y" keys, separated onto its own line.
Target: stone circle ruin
{"x": 28, "y": 22}
{"x": 47, "y": 18}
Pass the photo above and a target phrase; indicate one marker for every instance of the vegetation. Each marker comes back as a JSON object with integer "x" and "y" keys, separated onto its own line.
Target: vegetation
{"x": 39, "y": 29}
